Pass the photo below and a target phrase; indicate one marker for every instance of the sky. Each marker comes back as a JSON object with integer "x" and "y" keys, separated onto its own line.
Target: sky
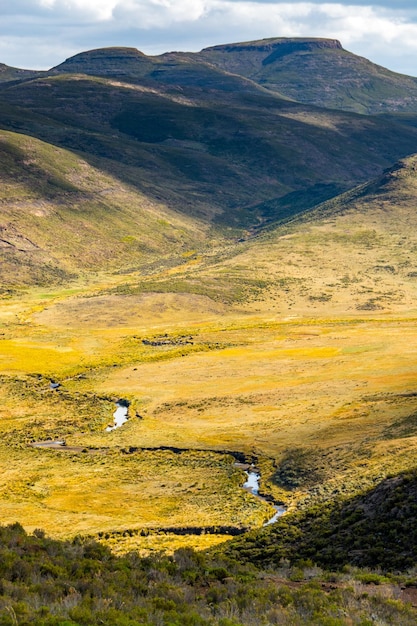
{"x": 38, "y": 34}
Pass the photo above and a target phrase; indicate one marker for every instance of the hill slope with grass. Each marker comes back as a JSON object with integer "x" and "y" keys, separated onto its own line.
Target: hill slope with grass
{"x": 177, "y": 136}
{"x": 353, "y": 253}
{"x": 317, "y": 71}
{"x": 61, "y": 216}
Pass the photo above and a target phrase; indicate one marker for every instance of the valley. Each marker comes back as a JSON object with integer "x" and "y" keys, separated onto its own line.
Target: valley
{"x": 236, "y": 266}
{"x": 268, "y": 348}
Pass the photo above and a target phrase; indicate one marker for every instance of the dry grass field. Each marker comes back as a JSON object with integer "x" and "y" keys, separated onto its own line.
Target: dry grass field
{"x": 296, "y": 348}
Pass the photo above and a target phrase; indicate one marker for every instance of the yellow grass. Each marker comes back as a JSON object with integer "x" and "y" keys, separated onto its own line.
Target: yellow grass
{"x": 69, "y": 493}
{"x": 265, "y": 386}
{"x": 317, "y": 355}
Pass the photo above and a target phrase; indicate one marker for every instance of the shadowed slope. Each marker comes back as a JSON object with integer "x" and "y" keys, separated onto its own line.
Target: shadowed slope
{"x": 9, "y": 74}
{"x": 204, "y": 142}
{"x": 375, "y": 529}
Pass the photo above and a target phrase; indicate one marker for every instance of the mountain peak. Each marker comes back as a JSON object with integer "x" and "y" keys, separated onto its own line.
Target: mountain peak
{"x": 317, "y": 71}
{"x": 292, "y": 44}
{"x": 101, "y": 60}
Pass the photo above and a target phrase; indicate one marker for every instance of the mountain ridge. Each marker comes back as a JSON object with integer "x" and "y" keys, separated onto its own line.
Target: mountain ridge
{"x": 208, "y": 144}
{"x": 273, "y": 43}
{"x": 312, "y": 70}
{"x": 318, "y": 71}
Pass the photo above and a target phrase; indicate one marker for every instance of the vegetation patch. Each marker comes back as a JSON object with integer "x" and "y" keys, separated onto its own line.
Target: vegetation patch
{"x": 375, "y": 529}
{"x": 46, "y": 582}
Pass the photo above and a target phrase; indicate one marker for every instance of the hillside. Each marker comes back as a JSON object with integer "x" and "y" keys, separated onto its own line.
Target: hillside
{"x": 180, "y": 135}
{"x": 9, "y": 74}
{"x": 317, "y": 71}
{"x": 61, "y": 216}
{"x": 353, "y": 253}
{"x": 376, "y": 529}
{"x": 80, "y": 582}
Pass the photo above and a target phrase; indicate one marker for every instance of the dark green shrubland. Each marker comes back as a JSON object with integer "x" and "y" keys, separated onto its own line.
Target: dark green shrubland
{"x": 50, "y": 583}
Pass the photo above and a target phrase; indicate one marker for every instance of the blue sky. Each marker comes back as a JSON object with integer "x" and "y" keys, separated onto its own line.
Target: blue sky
{"x": 38, "y": 34}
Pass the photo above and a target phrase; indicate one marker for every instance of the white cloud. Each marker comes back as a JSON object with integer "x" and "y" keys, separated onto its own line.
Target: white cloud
{"x": 149, "y": 12}
{"x": 93, "y": 9}
{"x": 159, "y": 13}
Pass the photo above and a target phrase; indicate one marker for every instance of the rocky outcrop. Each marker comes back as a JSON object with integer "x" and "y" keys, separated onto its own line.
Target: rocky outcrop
{"x": 289, "y": 47}
{"x": 290, "y": 44}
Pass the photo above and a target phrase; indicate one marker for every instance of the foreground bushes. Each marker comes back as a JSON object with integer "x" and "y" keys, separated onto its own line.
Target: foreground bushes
{"x": 51, "y": 583}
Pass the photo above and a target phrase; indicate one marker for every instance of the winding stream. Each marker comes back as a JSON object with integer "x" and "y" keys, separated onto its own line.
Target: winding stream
{"x": 252, "y": 485}
{"x": 121, "y": 416}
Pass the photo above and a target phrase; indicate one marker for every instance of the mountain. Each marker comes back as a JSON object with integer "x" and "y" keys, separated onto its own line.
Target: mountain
{"x": 310, "y": 70}
{"x": 317, "y": 71}
{"x": 212, "y": 147}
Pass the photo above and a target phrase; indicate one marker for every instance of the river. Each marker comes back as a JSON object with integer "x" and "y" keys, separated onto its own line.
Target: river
{"x": 252, "y": 485}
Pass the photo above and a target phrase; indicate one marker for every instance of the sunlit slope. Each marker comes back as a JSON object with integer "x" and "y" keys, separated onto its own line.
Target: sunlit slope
{"x": 61, "y": 216}
{"x": 353, "y": 255}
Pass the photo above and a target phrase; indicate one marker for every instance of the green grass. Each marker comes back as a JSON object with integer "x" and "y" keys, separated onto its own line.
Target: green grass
{"x": 317, "y": 72}
{"x": 46, "y": 582}
{"x": 105, "y": 222}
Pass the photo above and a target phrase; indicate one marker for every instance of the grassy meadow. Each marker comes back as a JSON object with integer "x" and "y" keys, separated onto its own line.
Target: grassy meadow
{"x": 299, "y": 354}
